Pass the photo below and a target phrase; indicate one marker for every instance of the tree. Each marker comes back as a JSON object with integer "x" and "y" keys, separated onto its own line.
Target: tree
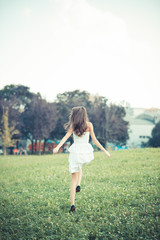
{"x": 97, "y": 115}
{"x": 154, "y": 141}
{"x": 39, "y": 120}
{"x": 108, "y": 121}
{"x": 7, "y": 132}
{"x": 64, "y": 103}
{"x": 117, "y": 127}
{"x": 21, "y": 95}
{"x": 16, "y": 98}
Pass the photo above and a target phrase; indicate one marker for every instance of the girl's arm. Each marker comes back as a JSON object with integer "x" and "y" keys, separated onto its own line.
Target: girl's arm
{"x": 64, "y": 139}
{"x": 96, "y": 142}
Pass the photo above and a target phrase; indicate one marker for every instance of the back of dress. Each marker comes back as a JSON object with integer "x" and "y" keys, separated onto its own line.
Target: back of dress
{"x": 82, "y": 139}
{"x": 81, "y": 152}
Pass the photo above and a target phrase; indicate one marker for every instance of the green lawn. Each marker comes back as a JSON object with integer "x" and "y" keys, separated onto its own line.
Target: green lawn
{"x": 119, "y": 197}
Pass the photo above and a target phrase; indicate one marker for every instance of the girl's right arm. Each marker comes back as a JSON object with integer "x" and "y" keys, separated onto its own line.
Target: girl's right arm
{"x": 64, "y": 139}
{"x": 96, "y": 142}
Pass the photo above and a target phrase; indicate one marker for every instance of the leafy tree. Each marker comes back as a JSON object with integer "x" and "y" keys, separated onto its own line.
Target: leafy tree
{"x": 117, "y": 127}
{"x": 7, "y": 132}
{"x": 108, "y": 121}
{"x": 19, "y": 93}
{"x": 39, "y": 120}
{"x": 65, "y": 102}
{"x": 97, "y": 115}
{"x": 16, "y": 98}
{"x": 154, "y": 141}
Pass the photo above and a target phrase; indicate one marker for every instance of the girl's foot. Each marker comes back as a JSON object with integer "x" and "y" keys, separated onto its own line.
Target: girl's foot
{"x": 72, "y": 209}
{"x": 78, "y": 188}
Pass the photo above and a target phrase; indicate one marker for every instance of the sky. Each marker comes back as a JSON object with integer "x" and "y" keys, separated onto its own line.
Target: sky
{"x": 105, "y": 47}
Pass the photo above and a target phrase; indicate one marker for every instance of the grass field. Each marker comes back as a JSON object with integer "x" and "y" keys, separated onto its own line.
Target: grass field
{"x": 119, "y": 197}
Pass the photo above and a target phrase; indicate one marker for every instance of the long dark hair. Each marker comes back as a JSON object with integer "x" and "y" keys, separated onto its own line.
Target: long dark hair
{"x": 78, "y": 120}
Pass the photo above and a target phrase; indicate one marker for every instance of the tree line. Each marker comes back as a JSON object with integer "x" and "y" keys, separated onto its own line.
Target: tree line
{"x": 26, "y": 115}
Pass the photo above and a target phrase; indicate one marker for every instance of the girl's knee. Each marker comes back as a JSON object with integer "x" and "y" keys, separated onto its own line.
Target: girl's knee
{"x": 75, "y": 175}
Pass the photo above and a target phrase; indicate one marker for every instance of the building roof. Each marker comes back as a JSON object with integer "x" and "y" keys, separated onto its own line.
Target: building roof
{"x": 141, "y": 116}
{"x": 137, "y": 121}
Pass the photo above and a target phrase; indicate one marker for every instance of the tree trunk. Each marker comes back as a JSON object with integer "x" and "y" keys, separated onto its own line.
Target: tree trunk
{"x": 36, "y": 146}
{"x": 44, "y": 146}
{"x": 32, "y": 146}
{"x": 17, "y": 144}
{"x": 39, "y": 150}
{"x": 4, "y": 151}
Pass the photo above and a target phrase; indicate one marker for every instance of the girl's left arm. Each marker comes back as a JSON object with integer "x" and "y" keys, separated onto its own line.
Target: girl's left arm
{"x": 64, "y": 139}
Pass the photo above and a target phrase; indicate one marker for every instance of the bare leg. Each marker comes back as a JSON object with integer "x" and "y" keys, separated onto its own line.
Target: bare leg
{"x": 79, "y": 178}
{"x": 73, "y": 187}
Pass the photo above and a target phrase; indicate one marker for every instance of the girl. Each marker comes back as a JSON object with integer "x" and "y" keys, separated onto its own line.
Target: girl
{"x": 81, "y": 151}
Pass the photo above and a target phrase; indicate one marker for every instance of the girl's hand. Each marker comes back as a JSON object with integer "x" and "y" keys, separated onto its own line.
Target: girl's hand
{"x": 107, "y": 153}
{"x": 55, "y": 150}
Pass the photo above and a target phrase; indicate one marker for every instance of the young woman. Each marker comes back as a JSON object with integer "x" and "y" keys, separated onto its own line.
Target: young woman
{"x": 81, "y": 151}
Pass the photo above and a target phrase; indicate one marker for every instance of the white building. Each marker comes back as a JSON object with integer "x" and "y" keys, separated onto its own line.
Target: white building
{"x": 141, "y": 122}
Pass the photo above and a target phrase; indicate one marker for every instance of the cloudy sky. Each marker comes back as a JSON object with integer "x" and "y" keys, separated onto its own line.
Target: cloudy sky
{"x": 106, "y": 47}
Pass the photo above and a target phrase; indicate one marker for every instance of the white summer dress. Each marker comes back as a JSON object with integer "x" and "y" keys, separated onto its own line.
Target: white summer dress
{"x": 81, "y": 152}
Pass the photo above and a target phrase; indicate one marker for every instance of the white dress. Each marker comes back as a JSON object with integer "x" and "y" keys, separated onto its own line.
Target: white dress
{"x": 81, "y": 152}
